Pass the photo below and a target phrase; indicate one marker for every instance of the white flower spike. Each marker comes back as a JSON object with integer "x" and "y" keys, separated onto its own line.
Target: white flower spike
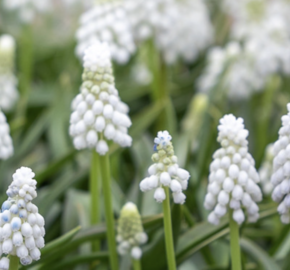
{"x": 21, "y": 226}
{"x": 233, "y": 178}
{"x": 98, "y": 113}
{"x": 8, "y": 81}
{"x": 281, "y": 169}
{"x": 6, "y": 146}
{"x": 107, "y": 22}
{"x": 130, "y": 231}
{"x": 165, "y": 172}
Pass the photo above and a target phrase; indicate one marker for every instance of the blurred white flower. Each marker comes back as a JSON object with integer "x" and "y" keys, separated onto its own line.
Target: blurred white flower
{"x": 6, "y": 146}
{"x": 179, "y": 29}
{"x": 21, "y": 226}
{"x": 232, "y": 69}
{"x": 141, "y": 74}
{"x": 98, "y": 113}
{"x": 130, "y": 231}
{"x": 27, "y": 9}
{"x": 8, "y": 81}
{"x": 281, "y": 169}
{"x": 266, "y": 170}
{"x": 165, "y": 171}
{"x": 107, "y": 22}
{"x": 233, "y": 178}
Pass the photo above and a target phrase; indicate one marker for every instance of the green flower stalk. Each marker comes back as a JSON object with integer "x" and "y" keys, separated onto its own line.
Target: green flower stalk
{"x": 165, "y": 174}
{"x": 130, "y": 232}
{"x": 98, "y": 116}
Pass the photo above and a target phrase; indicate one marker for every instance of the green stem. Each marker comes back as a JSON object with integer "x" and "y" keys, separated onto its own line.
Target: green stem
{"x": 106, "y": 182}
{"x": 25, "y": 66}
{"x": 235, "y": 243}
{"x": 160, "y": 90}
{"x": 95, "y": 195}
{"x": 14, "y": 263}
{"x": 136, "y": 264}
{"x": 171, "y": 264}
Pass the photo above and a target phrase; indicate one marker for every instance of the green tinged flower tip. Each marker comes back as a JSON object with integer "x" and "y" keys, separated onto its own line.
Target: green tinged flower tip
{"x": 130, "y": 231}
{"x": 165, "y": 171}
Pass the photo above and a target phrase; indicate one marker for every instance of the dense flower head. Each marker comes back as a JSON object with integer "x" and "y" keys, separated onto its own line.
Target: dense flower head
{"x": 21, "y": 226}
{"x": 98, "y": 113}
{"x": 233, "y": 178}
{"x": 130, "y": 231}
{"x": 107, "y": 22}
{"x": 26, "y": 9}
{"x": 180, "y": 29}
{"x": 8, "y": 82}
{"x": 6, "y": 146}
{"x": 235, "y": 69}
{"x": 266, "y": 170}
{"x": 281, "y": 169}
{"x": 165, "y": 171}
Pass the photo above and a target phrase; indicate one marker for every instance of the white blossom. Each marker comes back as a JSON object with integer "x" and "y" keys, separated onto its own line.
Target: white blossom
{"x": 21, "y": 226}
{"x": 8, "y": 81}
{"x": 180, "y": 29}
{"x": 6, "y": 145}
{"x": 281, "y": 169}
{"x": 98, "y": 113}
{"x": 107, "y": 22}
{"x": 165, "y": 172}
{"x": 130, "y": 231}
{"x": 233, "y": 178}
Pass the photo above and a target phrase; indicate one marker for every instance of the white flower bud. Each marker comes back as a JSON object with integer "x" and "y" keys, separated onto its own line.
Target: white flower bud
{"x": 4, "y": 263}
{"x": 30, "y": 242}
{"x": 159, "y": 195}
{"x": 35, "y": 254}
{"x": 165, "y": 179}
{"x": 179, "y": 198}
{"x": 7, "y": 246}
{"x": 22, "y": 251}
{"x": 136, "y": 253}
{"x": 223, "y": 198}
{"x": 17, "y": 239}
{"x": 238, "y": 216}
{"x": 152, "y": 182}
{"x": 175, "y": 186}
{"x": 102, "y": 147}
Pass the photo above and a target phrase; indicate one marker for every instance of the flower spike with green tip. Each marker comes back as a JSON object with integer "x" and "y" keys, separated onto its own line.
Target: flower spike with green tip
{"x": 165, "y": 172}
{"x": 130, "y": 231}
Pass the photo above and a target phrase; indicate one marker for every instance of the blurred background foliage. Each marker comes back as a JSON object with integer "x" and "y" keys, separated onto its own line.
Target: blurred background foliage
{"x": 39, "y": 127}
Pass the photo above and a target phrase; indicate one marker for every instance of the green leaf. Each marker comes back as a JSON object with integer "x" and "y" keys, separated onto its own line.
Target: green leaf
{"x": 258, "y": 254}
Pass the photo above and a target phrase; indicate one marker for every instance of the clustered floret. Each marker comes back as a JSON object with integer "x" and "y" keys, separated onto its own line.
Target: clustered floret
{"x": 178, "y": 28}
{"x": 107, "y": 22}
{"x": 98, "y": 112}
{"x": 21, "y": 226}
{"x": 6, "y": 146}
{"x": 281, "y": 169}
{"x": 233, "y": 178}
{"x": 130, "y": 231}
{"x": 165, "y": 172}
{"x": 8, "y": 82}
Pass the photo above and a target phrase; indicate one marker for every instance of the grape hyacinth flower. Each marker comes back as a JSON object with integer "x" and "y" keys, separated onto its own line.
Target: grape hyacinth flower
{"x": 266, "y": 170}
{"x": 98, "y": 113}
{"x": 6, "y": 146}
{"x": 179, "y": 29}
{"x": 233, "y": 178}
{"x": 21, "y": 226}
{"x": 165, "y": 171}
{"x": 130, "y": 231}
{"x": 281, "y": 169}
{"x": 8, "y": 81}
{"x": 107, "y": 22}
